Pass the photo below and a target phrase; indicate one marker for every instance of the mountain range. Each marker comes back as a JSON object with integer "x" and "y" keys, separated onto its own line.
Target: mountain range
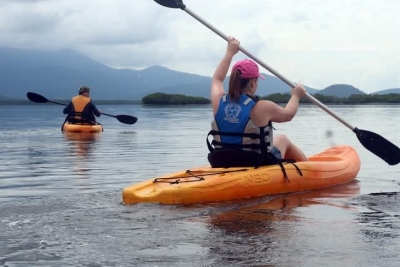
{"x": 57, "y": 74}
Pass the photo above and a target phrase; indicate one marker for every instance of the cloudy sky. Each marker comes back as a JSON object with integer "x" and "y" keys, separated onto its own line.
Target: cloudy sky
{"x": 314, "y": 42}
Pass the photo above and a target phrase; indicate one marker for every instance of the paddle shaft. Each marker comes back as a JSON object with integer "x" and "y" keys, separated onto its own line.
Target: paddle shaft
{"x": 270, "y": 69}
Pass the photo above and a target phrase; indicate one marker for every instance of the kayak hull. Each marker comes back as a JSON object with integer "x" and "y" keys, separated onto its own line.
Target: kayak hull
{"x": 82, "y": 128}
{"x": 335, "y": 165}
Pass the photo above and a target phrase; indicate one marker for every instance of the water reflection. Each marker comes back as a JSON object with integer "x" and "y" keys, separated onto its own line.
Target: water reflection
{"x": 82, "y": 143}
{"x": 260, "y": 218}
{"x": 267, "y": 233}
{"x": 82, "y": 157}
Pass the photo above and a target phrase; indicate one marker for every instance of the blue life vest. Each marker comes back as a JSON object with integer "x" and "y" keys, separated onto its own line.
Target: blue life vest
{"x": 233, "y": 127}
{"x": 237, "y": 142}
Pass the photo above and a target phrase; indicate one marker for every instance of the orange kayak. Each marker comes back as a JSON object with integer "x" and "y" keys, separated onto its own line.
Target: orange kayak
{"x": 82, "y": 128}
{"x": 335, "y": 165}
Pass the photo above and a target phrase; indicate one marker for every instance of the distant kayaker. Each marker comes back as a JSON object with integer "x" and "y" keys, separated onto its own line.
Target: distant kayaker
{"x": 81, "y": 108}
{"x": 242, "y": 128}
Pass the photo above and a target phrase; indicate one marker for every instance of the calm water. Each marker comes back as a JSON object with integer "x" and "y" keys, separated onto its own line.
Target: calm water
{"x": 60, "y": 196}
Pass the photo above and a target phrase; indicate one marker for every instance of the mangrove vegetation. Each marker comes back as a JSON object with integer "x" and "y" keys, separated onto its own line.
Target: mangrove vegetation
{"x": 173, "y": 99}
{"x": 353, "y": 99}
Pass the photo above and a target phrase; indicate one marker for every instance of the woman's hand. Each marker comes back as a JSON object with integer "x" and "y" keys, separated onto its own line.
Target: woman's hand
{"x": 299, "y": 91}
{"x": 233, "y": 45}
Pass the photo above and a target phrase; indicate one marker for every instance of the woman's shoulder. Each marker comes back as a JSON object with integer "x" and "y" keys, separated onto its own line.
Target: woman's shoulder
{"x": 263, "y": 105}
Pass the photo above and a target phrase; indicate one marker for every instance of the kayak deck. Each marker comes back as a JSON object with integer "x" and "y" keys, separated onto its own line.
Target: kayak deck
{"x": 333, "y": 166}
{"x": 82, "y": 128}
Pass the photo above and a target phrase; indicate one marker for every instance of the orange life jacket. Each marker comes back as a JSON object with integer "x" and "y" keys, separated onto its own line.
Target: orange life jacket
{"x": 80, "y": 112}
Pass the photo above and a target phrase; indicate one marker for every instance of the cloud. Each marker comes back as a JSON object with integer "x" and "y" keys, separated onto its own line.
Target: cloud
{"x": 318, "y": 43}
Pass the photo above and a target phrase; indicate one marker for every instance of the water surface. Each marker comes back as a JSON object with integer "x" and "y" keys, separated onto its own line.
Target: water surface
{"x": 60, "y": 195}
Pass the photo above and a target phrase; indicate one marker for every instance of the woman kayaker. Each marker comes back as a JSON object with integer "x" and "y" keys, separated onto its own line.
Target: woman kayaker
{"x": 81, "y": 109}
{"x": 242, "y": 127}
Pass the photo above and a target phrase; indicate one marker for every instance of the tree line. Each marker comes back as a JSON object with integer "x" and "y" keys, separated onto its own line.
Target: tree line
{"x": 173, "y": 99}
{"x": 353, "y": 99}
{"x": 178, "y": 99}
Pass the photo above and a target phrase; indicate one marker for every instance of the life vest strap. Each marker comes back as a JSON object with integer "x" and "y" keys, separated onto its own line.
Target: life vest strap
{"x": 250, "y": 135}
{"x": 228, "y": 145}
{"x": 262, "y": 146}
{"x": 72, "y": 118}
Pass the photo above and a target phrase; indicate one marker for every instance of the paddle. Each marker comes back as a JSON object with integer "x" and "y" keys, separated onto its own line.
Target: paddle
{"x": 371, "y": 141}
{"x": 41, "y": 99}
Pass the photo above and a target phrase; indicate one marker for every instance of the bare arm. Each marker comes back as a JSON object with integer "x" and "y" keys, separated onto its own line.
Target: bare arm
{"x": 265, "y": 111}
{"x": 217, "y": 88}
{"x": 284, "y": 114}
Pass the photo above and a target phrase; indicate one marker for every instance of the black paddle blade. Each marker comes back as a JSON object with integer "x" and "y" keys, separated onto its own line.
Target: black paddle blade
{"x": 36, "y": 98}
{"x": 126, "y": 119}
{"x": 172, "y": 3}
{"x": 379, "y": 146}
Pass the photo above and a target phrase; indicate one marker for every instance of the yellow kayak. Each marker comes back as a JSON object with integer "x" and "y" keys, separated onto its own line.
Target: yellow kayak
{"x": 82, "y": 128}
{"x": 335, "y": 165}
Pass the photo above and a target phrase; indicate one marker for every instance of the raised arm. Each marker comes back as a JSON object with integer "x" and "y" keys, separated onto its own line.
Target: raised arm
{"x": 217, "y": 88}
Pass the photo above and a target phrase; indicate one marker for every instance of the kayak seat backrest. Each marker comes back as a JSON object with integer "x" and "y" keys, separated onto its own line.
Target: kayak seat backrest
{"x": 227, "y": 157}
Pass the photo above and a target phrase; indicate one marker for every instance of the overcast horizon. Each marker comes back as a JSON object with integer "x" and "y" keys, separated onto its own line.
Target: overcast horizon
{"x": 315, "y": 43}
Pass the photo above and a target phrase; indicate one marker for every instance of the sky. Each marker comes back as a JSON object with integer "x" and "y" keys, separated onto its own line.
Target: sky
{"x": 313, "y": 42}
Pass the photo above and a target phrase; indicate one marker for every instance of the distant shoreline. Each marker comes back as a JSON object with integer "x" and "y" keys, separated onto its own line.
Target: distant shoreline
{"x": 138, "y": 102}
{"x": 97, "y": 102}
{"x": 162, "y": 99}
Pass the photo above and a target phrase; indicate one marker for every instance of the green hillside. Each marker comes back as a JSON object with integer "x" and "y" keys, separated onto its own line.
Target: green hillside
{"x": 341, "y": 90}
{"x": 58, "y": 74}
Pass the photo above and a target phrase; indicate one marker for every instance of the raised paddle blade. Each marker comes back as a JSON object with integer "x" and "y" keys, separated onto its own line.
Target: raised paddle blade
{"x": 36, "y": 98}
{"x": 126, "y": 119}
{"x": 379, "y": 146}
{"x": 171, "y": 3}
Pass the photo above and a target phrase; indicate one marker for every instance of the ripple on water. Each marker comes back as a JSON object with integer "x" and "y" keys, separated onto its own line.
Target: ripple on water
{"x": 61, "y": 197}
